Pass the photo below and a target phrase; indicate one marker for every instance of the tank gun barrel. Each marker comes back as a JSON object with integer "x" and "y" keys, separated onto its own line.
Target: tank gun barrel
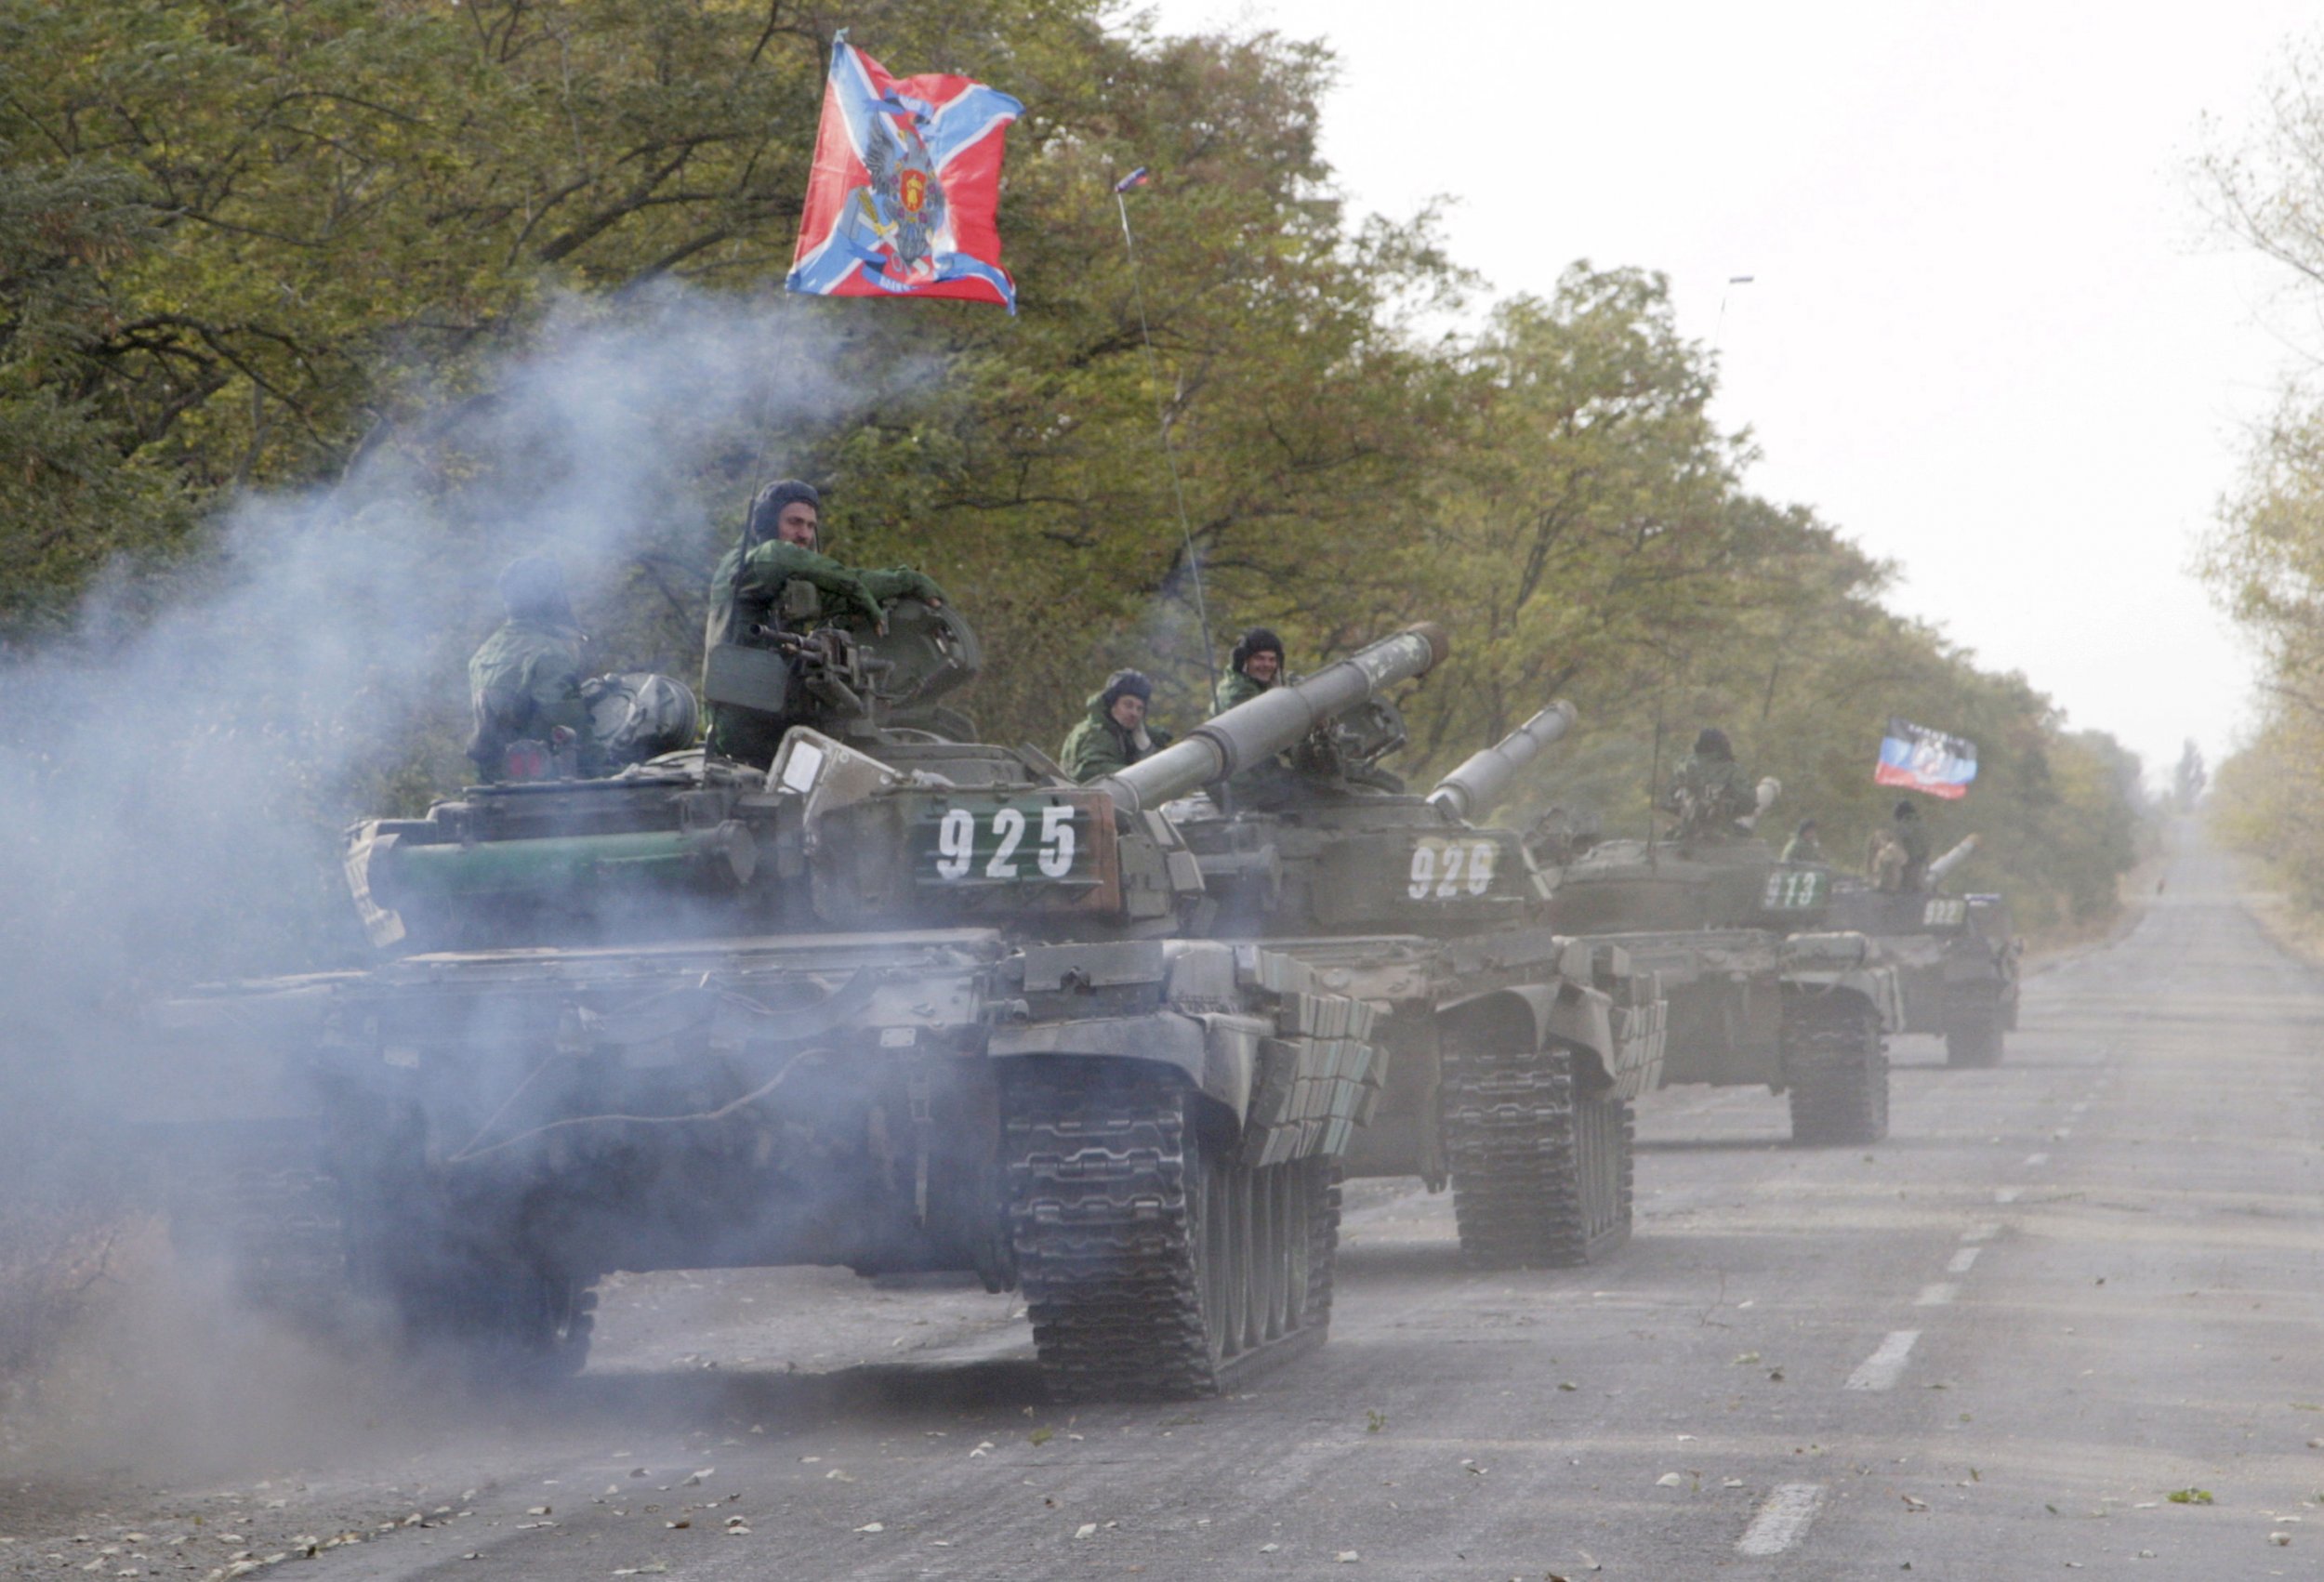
{"x": 1275, "y": 719}
{"x": 1952, "y": 858}
{"x": 1484, "y": 778}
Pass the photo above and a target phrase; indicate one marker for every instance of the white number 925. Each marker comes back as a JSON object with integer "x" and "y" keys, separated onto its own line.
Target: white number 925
{"x": 1443, "y": 869}
{"x": 955, "y": 843}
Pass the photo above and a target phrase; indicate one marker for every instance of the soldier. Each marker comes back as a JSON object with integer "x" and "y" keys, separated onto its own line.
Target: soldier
{"x": 1803, "y": 846}
{"x": 525, "y": 683}
{"x": 1115, "y": 734}
{"x": 778, "y": 548}
{"x": 1913, "y": 836}
{"x": 1710, "y": 792}
{"x": 1255, "y": 665}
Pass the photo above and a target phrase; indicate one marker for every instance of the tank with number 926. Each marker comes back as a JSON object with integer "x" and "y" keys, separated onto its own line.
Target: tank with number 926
{"x": 895, "y": 1001}
{"x": 1514, "y": 1049}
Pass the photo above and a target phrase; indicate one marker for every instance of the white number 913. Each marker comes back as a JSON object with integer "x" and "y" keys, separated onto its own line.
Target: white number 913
{"x": 1443, "y": 869}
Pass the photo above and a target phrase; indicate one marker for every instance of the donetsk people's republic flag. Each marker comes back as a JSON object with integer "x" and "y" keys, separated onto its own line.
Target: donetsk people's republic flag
{"x": 1921, "y": 759}
{"x": 907, "y": 180}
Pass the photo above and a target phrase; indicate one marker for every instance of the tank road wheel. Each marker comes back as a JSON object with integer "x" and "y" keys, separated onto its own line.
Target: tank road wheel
{"x": 1836, "y": 1064}
{"x": 1972, "y": 1034}
{"x": 1539, "y": 1182}
{"x": 1153, "y": 1263}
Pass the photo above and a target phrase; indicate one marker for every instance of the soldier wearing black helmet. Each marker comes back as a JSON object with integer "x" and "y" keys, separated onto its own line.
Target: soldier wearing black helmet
{"x": 1710, "y": 791}
{"x": 1114, "y": 733}
{"x": 525, "y": 683}
{"x": 778, "y": 547}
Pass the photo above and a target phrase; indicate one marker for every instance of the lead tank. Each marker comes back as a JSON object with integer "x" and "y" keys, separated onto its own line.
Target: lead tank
{"x": 896, "y": 1002}
{"x": 1955, "y": 955}
{"x": 1513, "y": 1051}
{"x": 1763, "y": 988}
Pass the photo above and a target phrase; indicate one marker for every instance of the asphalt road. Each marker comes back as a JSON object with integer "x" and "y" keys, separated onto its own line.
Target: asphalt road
{"x": 1994, "y": 1346}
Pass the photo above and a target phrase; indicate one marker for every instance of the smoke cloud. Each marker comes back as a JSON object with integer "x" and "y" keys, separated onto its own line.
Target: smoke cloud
{"x": 174, "y": 777}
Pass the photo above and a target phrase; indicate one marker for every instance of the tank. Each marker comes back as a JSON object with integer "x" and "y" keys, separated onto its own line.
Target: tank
{"x": 1512, "y": 1051}
{"x": 1763, "y": 987}
{"x": 895, "y": 1001}
{"x": 1955, "y": 955}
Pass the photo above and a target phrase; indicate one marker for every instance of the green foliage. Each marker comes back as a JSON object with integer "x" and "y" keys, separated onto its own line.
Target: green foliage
{"x": 253, "y": 246}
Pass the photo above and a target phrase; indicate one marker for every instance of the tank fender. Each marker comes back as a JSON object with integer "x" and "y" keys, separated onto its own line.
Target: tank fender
{"x": 1217, "y": 1055}
{"x": 1879, "y": 987}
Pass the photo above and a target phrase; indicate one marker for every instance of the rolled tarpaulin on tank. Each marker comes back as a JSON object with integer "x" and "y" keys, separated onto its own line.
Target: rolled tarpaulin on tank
{"x": 722, "y": 857}
{"x": 1477, "y": 786}
{"x": 1274, "y": 721}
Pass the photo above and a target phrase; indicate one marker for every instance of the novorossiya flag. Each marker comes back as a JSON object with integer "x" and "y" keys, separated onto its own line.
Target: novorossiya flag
{"x": 1918, "y": 758}
{"x": 906, "y": 186}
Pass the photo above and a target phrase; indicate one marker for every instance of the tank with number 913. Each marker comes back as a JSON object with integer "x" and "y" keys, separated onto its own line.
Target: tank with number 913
{"x": 895, "y": 1001}
{"x": 1764, "y": 986}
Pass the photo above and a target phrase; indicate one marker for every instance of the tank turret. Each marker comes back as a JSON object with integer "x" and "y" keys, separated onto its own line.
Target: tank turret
{"x": 1477, "y": 786}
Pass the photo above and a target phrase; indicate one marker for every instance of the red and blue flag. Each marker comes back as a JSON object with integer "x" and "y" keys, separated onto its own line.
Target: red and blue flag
{"x": 1917, "y": 759}
{"x": 905, "y": 188}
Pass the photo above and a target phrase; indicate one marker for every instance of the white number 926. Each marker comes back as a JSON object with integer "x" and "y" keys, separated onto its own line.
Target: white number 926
{"x": 1442, "y": 869}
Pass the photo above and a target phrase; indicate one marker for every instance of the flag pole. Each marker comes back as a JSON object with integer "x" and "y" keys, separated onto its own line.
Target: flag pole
{"x": 1162, "y": 426}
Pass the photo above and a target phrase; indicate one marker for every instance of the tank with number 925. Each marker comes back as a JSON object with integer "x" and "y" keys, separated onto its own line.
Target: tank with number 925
{"x": 894, "y": 1001}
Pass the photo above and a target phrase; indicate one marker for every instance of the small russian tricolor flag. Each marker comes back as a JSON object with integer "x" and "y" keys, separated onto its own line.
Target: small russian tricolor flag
{"x": 1137, "y": 178}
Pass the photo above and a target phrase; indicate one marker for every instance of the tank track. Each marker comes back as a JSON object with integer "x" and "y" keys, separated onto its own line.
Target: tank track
{"x": 1835, "y": 1064}
{"x": 255, "y": 1203}
{"x": 1152, "y": 1267}
{"x": 1540, "y": 1181}
{"x": 1973, "y": 1032}
{"x": 1604, "y": 1131}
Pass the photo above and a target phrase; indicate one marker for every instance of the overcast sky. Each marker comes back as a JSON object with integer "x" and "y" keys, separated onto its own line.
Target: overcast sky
{"x": 1990, "y": 332}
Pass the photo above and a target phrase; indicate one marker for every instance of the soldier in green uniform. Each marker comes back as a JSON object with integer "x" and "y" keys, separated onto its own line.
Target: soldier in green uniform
{"x": 525, "y": 683}
{"x": 1803, "y": 846}
{"x": 1710, "y": 791}
{"x": 1255, "y": 665}
{"x": 778, "y": 548}
{"x": 1114, "y": 733}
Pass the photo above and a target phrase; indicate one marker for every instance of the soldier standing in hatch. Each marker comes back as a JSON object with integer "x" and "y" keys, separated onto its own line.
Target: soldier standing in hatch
{"x": 1710, "y": 792}
{"x": 525, "y": 683}
{"x": 778, "y": 547}
{"x": 1909, "y": 860}
{"x": 1115, "y": 734}
{"x": 1255, "y": 665}
{"x": 1803, "y": 846}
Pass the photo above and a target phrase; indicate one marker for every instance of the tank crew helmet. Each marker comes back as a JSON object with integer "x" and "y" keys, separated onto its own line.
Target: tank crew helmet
{"x": 766, "y": 506}
{"x": 1713, "y": 744}
{"x": 533, "y": 587}
{"x": 1807, "y": 827}
{"x": 1906, "y": 810}
{"x": 1259, "y": 640}
{"x": 1127, "y": 683}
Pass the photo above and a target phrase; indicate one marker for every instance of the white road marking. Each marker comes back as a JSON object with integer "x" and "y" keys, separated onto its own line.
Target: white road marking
{"x": 1783, "y": 1520}
{"x": 2036, "y": 1160}
{"x": 1964, "y": 1260}
{"x": 1985, "y": 1232}
{"x": 1880, "y": 1370}
{"x": 2007, "y": 1194}
{"x": 1936, "y": 1296}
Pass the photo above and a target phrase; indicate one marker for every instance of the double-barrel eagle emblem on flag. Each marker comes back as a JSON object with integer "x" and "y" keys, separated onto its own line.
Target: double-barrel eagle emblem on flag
{"x": 902, "y": 201}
